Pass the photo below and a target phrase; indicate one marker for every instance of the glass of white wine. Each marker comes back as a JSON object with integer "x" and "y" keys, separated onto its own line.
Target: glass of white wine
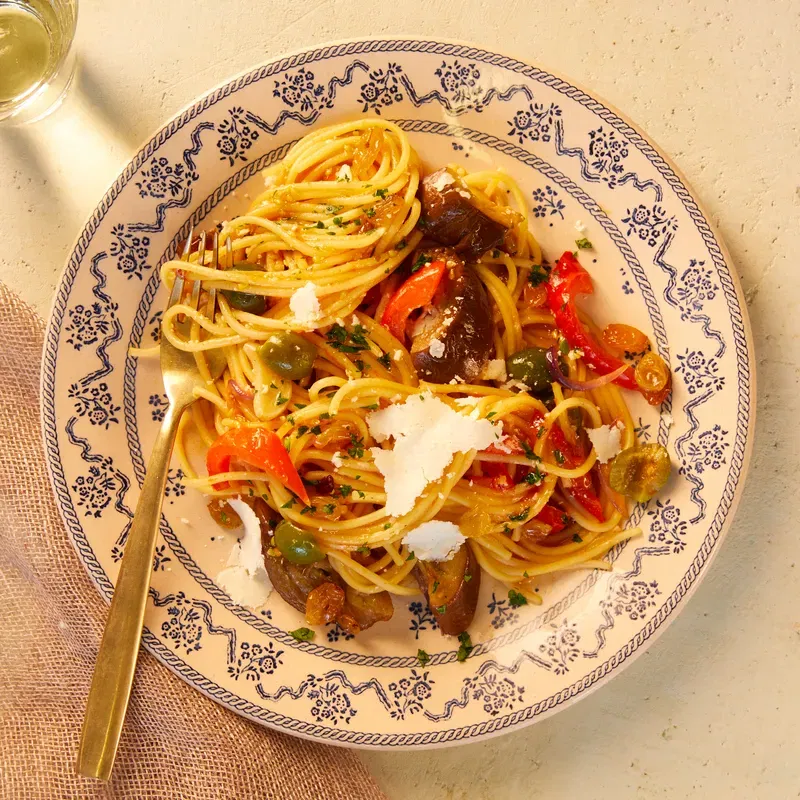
{"x": 37, "y": 60}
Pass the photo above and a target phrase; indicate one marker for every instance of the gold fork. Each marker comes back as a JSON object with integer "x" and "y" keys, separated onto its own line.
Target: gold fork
{"x": 119, "y": 649}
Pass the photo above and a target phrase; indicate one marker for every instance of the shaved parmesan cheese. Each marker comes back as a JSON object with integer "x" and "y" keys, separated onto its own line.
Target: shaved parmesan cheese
{"x": 495, "y": 370}
{"x": 245, "y": 577}
{"x": 436, "y": 348}
{"x": 427, "y": 434}
{"x": 344, "y": 173}
{"x": 668, "y": 420}
{"x": 305, "y": 305}
{"x": 443, "y": 180}
{"x": 469, "y": 401}
{"x": 434, "y": 540}
{"x": 580, "y": 227}
{"x": 337, "y": 460}
{"x": 606, "y": 440}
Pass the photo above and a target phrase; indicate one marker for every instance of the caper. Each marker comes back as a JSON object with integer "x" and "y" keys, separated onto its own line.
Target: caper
{"x": 297, "y": 545}
{"x": 245, "y": 301}
{"x": 640, "y": 471}
{"x": 530, "y": 367}
{"x": 289, "y": 355}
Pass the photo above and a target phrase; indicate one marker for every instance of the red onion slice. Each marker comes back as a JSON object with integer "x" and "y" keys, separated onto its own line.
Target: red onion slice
{"x": 577, "y": 386}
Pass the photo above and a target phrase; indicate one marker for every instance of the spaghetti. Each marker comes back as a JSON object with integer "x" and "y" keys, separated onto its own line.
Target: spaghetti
{"x": 303, "y": 342}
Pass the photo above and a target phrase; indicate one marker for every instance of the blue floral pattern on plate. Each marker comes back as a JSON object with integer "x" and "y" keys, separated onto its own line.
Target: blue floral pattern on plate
{"x": 573, "y": 157}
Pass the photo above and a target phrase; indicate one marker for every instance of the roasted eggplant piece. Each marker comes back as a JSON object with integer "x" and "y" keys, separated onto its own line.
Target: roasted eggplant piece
{"x": 362, "y": 611}
{"x": 317, "y": 591}
{"x": 294, "y": 582}
{"x": 455, "y": 340}
{"x": 451, "y": 588}
{"x": 450, "y": 218}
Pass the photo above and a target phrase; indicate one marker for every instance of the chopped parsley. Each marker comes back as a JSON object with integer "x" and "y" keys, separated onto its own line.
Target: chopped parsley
{"x": 320, "y": 224}
{"x": 441, "y": 609}
{"x": 495, "y": 253}
{"x": 563, "y": 347}
{"x": 316, "y": 430}
{"x": 339, "y": 338}
{"x": 337, "y": 221}
{"x": 370, "y": 212}
{"x": 289, "y": 503}
{"x": 559, "y": 456}
{"x": 302, "y": 429}
{"x": 435, "y": 587}
{"x": 223, "y": 518}
{"x": 365, "y": 548}
{"x": 302, "y": 634}
{"x": 387, "y": 525}
{"x": 356, "y": 449}
{"x": 281, "y": 400}
{"x": 381, "y": 192}
{"x": 324, "y": 415}
{"x": 534, "y": 477}
{"x": 423, "y": 658}
{"x": 467, "y": 577}
{"x": 360, "y": 494}
{"x": 385, "y": 361}
{"x": 333, "y": 209}
{"x": 360, "y": 365}
{"x": 345, "y": 490}
{"x": 576, "y": 537}
{"x": 372, "y": 407}
{"x": 521, "y": 516}
{"x": 540, "y": 432}
{"x": 491, "y": 414}
{"x": 583, "y": 244}
{"x": 528, "y": 450}
{"x": 538, "y": 275}
{"x": 516, "y": 599}
{"x": 465, "y": 647}
{"x": 329, "y": 508}
{"x": 308, "y": 510}
{"x": 411, "y": 556}
{"x": 421, "y": 261}
{"x": 402, "y": 244}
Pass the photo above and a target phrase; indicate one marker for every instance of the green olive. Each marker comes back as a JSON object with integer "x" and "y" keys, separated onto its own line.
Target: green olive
{"x": 530, "y": 367}
{"x": 289, "y": 355}
{"x": 297, "y": 545}
{"x": 244, "y": 301}
{"x": 640, "y": 471}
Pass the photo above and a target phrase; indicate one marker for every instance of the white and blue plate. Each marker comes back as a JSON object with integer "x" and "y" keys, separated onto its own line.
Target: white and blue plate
{"x": 657, "y": 264}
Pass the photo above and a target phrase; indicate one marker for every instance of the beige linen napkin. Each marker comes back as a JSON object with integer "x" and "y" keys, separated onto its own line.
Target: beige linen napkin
{"x": 176, "y": 743}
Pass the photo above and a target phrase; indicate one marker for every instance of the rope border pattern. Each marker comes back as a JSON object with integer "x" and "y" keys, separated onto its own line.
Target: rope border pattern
{"x": 745, "y": 410}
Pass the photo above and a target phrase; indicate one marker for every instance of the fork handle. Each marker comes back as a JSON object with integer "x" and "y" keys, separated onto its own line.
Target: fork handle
{"x": 119, "y": 648}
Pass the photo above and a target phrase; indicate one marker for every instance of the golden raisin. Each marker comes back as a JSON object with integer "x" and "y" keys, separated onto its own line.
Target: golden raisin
{"x": 534, "y": 296}
{"x": 624, "y": 341}
{"x": 222, "y": 513}
{"x": 653, "y": 378}
{"x": 324, "y": 604}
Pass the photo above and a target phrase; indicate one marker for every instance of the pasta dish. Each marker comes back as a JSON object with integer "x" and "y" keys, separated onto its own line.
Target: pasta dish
{"x": 402, "y": 394}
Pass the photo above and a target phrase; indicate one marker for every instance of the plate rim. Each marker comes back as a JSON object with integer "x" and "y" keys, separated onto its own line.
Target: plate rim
{"x": 199, "y": 104}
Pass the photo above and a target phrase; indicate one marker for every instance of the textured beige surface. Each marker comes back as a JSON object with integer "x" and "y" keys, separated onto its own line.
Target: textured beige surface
{"x": 712, "y": 709}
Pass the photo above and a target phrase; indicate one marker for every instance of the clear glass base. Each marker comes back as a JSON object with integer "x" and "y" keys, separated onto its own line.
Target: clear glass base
{"x": 46, "y": 99}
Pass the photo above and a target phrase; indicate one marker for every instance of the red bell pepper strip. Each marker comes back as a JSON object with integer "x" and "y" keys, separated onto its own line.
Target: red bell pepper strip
{"x": 416, "y": 292}
{"x": 554, "y": 517}
{"x": 262, "y": 449}
{"x": 581, "y": 489}
{"x": 495, "y": 475}
{"x": 567, "y": 280}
